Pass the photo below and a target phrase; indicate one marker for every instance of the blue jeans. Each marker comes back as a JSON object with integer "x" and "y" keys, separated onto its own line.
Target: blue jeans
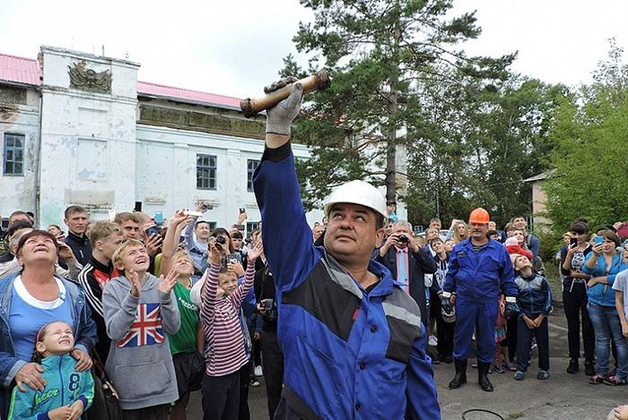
{"x": 606, "y": 325}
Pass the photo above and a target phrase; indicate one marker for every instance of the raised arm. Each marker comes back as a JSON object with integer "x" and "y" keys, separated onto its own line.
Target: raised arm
{"x": 189, "y": 233}
{"x": 249, "y": 277}
{"x": 208, "y": 301}
{"x": 287, "y": 236}
{"x": 173, "y": 233}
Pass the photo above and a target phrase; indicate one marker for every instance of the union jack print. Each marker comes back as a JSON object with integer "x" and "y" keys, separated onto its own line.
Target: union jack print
{"x": 146, "y": 330}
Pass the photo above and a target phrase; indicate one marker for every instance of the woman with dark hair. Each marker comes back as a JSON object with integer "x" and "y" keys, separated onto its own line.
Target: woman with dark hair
{"x": 31, "y": 299}
{"x": 575, "y": 299}
{"x": 603, "y": 264}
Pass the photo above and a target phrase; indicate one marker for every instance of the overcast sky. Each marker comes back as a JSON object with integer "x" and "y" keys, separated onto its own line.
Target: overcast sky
{"x": 236, "y": 47}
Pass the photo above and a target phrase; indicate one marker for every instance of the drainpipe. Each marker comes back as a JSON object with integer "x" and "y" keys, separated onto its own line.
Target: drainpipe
{"x": 38, "y": 212}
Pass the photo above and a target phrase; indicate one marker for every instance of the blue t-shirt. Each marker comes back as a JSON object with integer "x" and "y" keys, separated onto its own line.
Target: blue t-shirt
{"x": 29, "y": 314}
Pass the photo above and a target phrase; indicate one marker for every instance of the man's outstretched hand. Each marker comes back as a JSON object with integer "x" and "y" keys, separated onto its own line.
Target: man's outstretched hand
{"x": 280, "y": 116}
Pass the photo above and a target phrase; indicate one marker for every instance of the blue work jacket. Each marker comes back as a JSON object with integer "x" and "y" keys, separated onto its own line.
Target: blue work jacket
{"x": 348, "y": 353}
{"x": 480, "y": 276}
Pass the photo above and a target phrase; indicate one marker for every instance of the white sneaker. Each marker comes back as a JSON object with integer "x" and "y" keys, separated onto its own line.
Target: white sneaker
{"x": 258, "y": 371}
{"x": 433, "y": 341}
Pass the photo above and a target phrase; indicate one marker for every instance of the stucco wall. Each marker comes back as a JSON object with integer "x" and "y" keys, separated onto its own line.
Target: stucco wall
{"x": 166, "y": 173}
{"x": 88, "y": 139}
{"x": 19, "y": 114}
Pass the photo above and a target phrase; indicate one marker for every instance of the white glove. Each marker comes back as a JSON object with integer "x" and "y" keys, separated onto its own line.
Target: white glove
{"x": 280, "y": 117}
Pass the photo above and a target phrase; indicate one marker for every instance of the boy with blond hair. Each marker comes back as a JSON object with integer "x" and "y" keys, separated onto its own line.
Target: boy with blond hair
{"x": 105, "y": 238}
{"x": 139, "y": 310}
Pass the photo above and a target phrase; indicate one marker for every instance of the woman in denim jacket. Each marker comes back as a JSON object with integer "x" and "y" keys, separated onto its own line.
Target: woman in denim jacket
{"x": 603, "y": 264}
{"x": 30, "y": 299}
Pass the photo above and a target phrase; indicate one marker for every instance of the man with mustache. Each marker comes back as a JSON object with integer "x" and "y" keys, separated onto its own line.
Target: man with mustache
{"x": 353, "y": 342}
{"x": 479, "y": 271}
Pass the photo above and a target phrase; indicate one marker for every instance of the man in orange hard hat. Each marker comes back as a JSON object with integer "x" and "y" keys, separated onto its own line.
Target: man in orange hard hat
{"x": 479, "y": 271}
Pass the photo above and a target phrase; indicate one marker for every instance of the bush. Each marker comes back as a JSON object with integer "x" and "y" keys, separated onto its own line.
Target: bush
{"x": 550, "y": 244}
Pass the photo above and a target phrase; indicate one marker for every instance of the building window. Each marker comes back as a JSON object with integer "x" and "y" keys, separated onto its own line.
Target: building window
{"x": 251, "y": 166}
{"x": 13, "y": 154}
{"x": 251, "y": 226}
{"x": 205, "y": 172}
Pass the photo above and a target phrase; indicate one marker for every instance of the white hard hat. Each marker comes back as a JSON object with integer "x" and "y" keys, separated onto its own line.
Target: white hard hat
{"x": 358, "y": 192}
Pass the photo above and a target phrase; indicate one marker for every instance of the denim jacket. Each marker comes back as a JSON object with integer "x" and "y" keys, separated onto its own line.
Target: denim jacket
{"x": 603, "y": 294}
{"x": 84, "y": 328}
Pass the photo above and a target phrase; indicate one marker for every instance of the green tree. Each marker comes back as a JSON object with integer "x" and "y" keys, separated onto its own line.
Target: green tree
{"x": 483, "y": 140}
{"x": 590, "y": 136}
{"x": 379, "y": 53}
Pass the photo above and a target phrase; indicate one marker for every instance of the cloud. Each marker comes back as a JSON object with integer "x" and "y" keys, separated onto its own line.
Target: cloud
{"x": 235, "y": 48}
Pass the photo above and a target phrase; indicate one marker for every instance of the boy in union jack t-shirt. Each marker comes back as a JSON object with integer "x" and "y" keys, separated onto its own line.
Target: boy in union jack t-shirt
{"x": 139, "y": 309}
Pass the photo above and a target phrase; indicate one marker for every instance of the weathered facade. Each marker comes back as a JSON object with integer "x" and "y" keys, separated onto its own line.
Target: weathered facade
{"x": 91, "y": 134}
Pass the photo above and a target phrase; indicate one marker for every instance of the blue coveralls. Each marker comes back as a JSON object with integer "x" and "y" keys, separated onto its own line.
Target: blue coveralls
{"x": 349, "y": 353}
{"x": 478, "y": 278}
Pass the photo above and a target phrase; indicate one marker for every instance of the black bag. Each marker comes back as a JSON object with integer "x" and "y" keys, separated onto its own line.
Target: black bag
{"x": 106, "y": 403}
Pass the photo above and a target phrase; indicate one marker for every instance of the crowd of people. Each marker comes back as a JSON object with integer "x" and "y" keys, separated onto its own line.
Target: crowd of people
{"x": 344, "y": 319}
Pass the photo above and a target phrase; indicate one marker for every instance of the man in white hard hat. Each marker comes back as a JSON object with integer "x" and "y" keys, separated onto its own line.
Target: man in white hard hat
{"x": 352, "y": 339}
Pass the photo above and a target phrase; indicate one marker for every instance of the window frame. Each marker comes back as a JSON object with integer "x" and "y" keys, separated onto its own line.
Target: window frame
{"x": 6, "y": 148}
{"x": 211, "y": 172}
{"x": 250, "y": 172}
{"x": 251, "y": 226}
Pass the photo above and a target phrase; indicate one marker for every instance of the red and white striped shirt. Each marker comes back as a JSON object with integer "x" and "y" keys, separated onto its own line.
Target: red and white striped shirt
{"x": 221, "y": 323}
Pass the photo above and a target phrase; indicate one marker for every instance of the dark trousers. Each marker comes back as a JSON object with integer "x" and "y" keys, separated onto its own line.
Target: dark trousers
{"x": 257, "y": 352}
{"x": 575, "y": 304}
{"x": 272, "y": 358}
{"x": 444, "y": 331}
{"x": 221, "y": 396}
{"x": 511, "y": 337}
{"x": 157, "y": 412}
{"x": 479, "y": 317}
{"x": 245, "y": 378}
{"x": 524, "y": 344}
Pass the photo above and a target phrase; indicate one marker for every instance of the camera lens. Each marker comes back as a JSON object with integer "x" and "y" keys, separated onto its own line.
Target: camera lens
{"x": 221, "y": 240}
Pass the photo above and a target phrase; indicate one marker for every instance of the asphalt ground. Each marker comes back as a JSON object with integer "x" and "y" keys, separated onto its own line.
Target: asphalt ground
{"x": 561, "y": 397}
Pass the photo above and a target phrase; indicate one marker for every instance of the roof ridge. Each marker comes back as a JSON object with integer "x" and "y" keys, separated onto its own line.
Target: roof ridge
{"x": 18, "y": 57}
{"x": 188, "y": 90}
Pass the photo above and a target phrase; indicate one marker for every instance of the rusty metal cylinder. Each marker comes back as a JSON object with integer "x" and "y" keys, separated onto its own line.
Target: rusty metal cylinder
{"x": 251, "y": 107}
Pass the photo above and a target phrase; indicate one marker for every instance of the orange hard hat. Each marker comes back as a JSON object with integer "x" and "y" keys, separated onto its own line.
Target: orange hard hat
{"x": 479, "y": 215}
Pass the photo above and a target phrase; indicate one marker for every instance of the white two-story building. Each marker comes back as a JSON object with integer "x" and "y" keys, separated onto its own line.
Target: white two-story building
{"x": 77, "y": 128}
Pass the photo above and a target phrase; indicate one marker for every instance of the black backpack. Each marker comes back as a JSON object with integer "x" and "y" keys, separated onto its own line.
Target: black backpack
{"x": 106, "y": 402}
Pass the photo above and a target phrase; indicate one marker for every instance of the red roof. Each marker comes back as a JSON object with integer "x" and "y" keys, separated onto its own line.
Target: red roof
{"x": 186, "y": 95}
{"x": 27, "y": 71}
{"x": 19, "y": 70}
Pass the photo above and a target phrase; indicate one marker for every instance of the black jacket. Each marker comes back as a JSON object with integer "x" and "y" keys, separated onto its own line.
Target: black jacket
{"x": 81, "y": 247}
{"x": 420, "y": 263}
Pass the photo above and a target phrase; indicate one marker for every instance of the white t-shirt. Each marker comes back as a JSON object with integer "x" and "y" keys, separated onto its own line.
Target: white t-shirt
{"x": 621, "y": 284}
